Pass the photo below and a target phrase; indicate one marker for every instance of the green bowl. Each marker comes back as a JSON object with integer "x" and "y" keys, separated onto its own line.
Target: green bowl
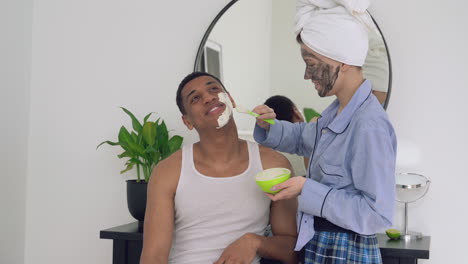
{"x": 270, "y": 177}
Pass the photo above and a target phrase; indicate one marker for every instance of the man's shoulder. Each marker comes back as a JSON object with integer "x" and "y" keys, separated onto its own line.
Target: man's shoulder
{"x": 272, "y": 158}
{"x": 173, "y": 162}
{"x": 167, "y": 171}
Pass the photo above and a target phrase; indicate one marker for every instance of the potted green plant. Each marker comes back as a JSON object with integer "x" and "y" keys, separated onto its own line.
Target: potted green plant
{"x": 144, "y": 148}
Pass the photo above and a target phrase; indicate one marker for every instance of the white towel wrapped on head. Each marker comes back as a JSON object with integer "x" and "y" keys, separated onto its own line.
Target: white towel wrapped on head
{"x": 336, "y": 29}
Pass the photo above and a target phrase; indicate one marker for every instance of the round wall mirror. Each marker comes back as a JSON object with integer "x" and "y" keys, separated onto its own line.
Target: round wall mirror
{"x": 251, "y": 47}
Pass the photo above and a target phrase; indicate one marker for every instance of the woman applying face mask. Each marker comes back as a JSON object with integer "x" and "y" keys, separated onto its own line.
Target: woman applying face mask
{"x": 348, "y": 193}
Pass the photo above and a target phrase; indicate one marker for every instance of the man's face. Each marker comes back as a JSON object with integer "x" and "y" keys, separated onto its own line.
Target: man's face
{"x": 201, "y": 102}
{"x": 322, "y": 71}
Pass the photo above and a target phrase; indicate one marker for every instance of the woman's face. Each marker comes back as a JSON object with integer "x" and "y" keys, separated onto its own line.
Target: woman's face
{"x": 322, "y": 71}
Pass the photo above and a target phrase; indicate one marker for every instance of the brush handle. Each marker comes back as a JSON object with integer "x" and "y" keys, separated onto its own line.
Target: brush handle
{"x": 269, "y": 121}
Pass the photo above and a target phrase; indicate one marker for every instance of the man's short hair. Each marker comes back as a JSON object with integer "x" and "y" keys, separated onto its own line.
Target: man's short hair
{"x": 283, "y": 107}
{"x": 186, "y": 80}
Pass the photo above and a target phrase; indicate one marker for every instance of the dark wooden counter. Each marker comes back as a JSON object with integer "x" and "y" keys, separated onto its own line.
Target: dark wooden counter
{"x": 128, "y": 242}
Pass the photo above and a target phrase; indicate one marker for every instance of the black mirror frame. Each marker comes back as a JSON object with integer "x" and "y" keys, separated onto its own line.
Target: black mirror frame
{"x": 201, "y": 47}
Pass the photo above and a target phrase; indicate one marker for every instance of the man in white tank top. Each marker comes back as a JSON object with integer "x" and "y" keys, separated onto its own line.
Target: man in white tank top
{"x": 203, "y": 203}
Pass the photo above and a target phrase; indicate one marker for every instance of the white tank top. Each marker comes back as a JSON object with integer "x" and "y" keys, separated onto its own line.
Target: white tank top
{"x": 211, "y": 213}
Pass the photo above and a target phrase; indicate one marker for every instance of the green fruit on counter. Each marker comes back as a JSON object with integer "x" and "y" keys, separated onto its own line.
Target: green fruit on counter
{"x": 393, "y": 233}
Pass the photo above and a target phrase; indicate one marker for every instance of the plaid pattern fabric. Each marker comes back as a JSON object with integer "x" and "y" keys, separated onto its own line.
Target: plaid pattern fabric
{"x": 342, "y": 248}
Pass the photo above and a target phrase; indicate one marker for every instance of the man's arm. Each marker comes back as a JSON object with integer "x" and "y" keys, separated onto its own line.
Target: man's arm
{"x": 280, "y": 246}
{"x": 159, "y": 216}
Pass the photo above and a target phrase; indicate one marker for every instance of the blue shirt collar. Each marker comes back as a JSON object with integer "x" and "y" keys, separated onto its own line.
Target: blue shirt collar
{"x": 341, "y": 121}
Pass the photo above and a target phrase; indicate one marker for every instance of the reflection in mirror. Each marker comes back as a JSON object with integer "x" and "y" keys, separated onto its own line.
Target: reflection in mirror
{"x": 256, "y": 56}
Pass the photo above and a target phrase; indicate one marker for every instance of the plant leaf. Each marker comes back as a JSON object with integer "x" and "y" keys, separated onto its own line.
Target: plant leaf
{"x": 124, "y": 136}
{"x": 129, "y": 167}
{"x": 174, "y": 144}
{"x": 134, "y": 137}
{"x": 140, "y": 139}
{"x": 146, "y": 117}
{"x": 125, "y": 154}
{"x": 149, "y": 133}
{"x": 127, "y": 148}
{"x": 150, "y": 155}
{"x": 150, "y": 149}
{"x": 162, "y": 137}
{"x": 136, "y": 148}
{"x": 136, "y": 161}
{"x": 127, "y": 143}
{"x": 135, "y": 123}
{"x": 156, "y": 158}
{"x": 310, "y": 113}
{"x": 108, "y": 142}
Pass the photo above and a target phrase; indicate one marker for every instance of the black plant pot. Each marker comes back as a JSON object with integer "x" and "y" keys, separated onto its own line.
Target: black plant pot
{"x": 136, "y": 200}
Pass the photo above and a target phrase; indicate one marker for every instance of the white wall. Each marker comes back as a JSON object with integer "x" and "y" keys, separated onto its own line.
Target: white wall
{"x": 246, "y": 29}
{"x": 428, "y": 107}
{"x": 88, "y": 57}
{"x": 15, "y": 63}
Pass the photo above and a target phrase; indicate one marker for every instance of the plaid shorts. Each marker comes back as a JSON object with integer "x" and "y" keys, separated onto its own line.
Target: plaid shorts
{"x": 342, "y": 248}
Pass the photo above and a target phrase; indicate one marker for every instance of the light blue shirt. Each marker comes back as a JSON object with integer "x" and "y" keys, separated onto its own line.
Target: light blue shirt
{"x": 351, "y": 176}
